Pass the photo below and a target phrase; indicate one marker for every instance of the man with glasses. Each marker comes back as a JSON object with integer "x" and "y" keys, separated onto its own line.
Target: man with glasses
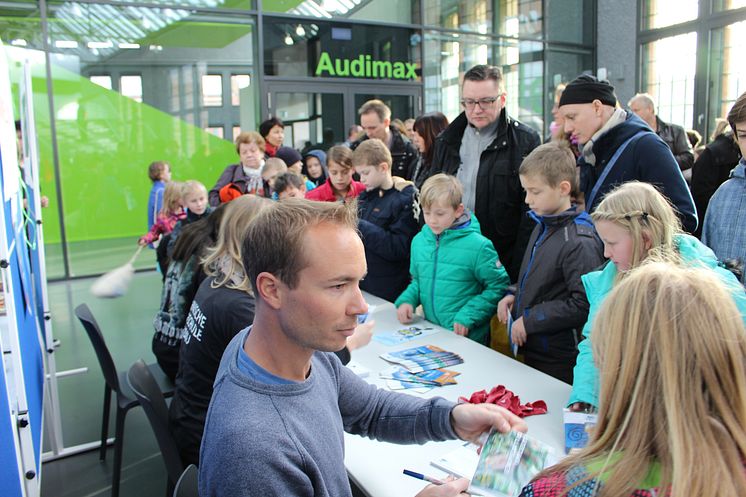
{"x": 483, "y": 147}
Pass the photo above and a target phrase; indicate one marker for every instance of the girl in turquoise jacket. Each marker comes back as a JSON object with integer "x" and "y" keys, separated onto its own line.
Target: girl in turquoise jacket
{"x": 634, "y": 221}
{"x": 456, "y": 275}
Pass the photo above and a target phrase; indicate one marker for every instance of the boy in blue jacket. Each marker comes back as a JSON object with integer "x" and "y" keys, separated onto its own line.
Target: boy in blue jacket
{"x": 456, "y": 275}
{"x": 387, "y": 220}
{"x": 548, "y": 304}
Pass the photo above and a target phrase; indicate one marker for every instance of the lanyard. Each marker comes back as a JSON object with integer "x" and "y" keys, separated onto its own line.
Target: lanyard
{"x": 608, "y": 168}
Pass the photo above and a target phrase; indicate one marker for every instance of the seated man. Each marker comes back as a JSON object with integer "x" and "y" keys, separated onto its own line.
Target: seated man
{"x": 281, "y": 401}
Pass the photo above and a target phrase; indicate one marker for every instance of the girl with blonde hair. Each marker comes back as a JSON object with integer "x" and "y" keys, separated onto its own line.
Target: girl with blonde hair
{"x": 672, "y": 418}
{"x": 633, "y": 221}
{"x": 171, "y": 213}
{"x": 222, "y": 306}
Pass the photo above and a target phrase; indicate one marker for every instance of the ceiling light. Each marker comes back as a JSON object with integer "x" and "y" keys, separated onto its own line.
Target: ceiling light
{"x": 18, "y": 42}
{"x": 288, "y": 40}
{"x": 300, "y": 31}
{"x": 66, "y": 44}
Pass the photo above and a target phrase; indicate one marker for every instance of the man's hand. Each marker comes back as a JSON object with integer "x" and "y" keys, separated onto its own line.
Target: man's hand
{"x": 452, "y": 488}
{"x": 469, "y": 421}
{"x": 361, "y": 337}
{"x": 518, "y": 332}
{"x": 503, "y": 308}
{"x": 405, "y": 313}
{"x": 460, "y": 329}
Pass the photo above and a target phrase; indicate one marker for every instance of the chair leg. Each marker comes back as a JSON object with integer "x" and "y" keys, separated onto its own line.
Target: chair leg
{"x": 118, "y": 445}
{"x": 105, "y": 422}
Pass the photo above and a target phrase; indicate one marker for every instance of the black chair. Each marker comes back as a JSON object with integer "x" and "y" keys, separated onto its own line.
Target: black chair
{"x": 151, "y": 399}
{"x": 187, "y": 484}
{"x": 117, "y": 382}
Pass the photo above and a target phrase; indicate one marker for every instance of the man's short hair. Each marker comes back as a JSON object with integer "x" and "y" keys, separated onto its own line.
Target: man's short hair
{"x": 371, "y": 152}
{"x": 483, "y": 72}
{"x": 554, "y": 163}
{"x": 249, "y": 137}
{"x": 644, "y": 98}
{"x": 287, "y": 180}
{"x": 155, "y": 170}
{"x": 441, "y": 189}
{"x": 274, "y": 242}
{"x": 381, "y": 109}
{"x": 737, "y": 113}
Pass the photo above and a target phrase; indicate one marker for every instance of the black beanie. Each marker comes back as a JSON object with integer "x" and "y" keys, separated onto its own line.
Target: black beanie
{"x": 585, "y": 89}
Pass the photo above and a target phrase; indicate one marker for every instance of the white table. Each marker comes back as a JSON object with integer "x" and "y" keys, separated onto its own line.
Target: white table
{"x": 376, "y": 467}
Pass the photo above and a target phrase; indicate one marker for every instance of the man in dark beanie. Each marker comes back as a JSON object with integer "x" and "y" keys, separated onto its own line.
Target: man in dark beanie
{"x": 617, "y": 146}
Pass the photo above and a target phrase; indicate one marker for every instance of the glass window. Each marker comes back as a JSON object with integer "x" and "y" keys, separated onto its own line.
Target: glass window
{"x": 727, "y": 71}
{"x": 212, "y": 90}
{"x": 562, "y": 67}
{"x": 163, "y": 118}
{"x": 332, "y": 50}
{"x": 239, "y": 82}
{"x": 669, "y": 78}
{"x": 131, "y": 86}
{"x": 103, "y": 81}
{"x": 570, "y": 21}
{"x": 215, "y": 130}
{"x": 395, "y": 11}
{"x": 469, "y": 15}
{"x": 523, "y": 74}
{"x": 522, "y": 18}
{"x": 718, "y": 5}
{"x": 662, "y": 13}
{"x": 236, "y": 132}
{"x": 455, "y": 54}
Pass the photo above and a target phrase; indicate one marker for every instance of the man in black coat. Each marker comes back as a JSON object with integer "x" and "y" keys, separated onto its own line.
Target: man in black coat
{"x": 484, "y": 147}
{"x": 375, "y": 119}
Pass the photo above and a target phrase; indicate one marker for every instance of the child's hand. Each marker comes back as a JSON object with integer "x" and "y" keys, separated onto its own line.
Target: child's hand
{"x": 460, "y": 329}
{"x": 518, "y": 332}
{"x": 405, "y": 313}
{"x": 361, "y": 337}
{"x": 503, "y": 308}
{"x": 141, "y": 242}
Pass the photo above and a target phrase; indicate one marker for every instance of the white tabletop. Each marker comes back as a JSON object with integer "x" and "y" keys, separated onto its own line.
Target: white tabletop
{"x": 376, "y": 467}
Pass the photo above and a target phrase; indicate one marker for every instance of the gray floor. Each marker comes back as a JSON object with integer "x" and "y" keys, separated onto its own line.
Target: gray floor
{"x": 126, "y": 323}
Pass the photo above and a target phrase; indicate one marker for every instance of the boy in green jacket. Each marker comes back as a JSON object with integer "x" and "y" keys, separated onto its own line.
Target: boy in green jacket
{"x": 456, "y": 275}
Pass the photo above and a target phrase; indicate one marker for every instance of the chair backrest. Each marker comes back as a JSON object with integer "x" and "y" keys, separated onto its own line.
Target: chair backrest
{"x": 187, "y": 484}
{"x": 153, "y": 403}
{"x": 99, "y": 345}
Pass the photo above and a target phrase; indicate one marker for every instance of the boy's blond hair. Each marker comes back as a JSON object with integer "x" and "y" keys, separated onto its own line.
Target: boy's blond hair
{"x": 554, "y": 163}
{"x": 371, "y": 152}
{"x": 192, "y": 186}
{"x": 273, "y": 164}
{"x": 441, "y": 189}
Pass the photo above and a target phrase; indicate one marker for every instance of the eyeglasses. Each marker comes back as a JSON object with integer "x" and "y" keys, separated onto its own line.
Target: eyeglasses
{"x": 484, "y": 103}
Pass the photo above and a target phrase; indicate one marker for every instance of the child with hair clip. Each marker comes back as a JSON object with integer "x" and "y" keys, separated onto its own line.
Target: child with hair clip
{"x": 171, "y": 213}
{"x": 634, "y": 221}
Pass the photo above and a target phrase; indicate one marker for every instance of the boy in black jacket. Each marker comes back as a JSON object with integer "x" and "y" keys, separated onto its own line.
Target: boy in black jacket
{"x": 387, "y": 221}
{"x": 548, "y": 305}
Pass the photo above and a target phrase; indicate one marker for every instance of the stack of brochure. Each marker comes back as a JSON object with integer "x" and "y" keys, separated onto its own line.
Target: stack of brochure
{"x": 423, "y": 358}
{"x": 398, "y": 378}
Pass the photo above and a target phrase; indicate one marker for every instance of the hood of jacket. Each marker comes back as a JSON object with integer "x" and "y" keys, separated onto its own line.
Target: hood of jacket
{"x": 465, "y": 224}
{"x": 614, "y": 137}
{"x": 319, "y": 154}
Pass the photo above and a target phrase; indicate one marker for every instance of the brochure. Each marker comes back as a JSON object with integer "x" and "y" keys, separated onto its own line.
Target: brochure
{"x": 508, "y": 462}
{"x": 403, "y": 335}
{"x": 577, "y": 429}
{"x": 423, "y": 358}
{"x": 433, "y": 377}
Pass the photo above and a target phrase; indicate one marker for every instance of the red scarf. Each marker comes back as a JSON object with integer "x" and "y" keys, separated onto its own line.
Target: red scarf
{"x": 270, "y": 149}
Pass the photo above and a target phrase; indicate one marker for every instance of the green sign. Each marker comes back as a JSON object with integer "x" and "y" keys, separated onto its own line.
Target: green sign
{"x": 364, "y": 67}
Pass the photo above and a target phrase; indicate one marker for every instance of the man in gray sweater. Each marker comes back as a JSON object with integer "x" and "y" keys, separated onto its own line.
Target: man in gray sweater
{"x": 281, "y": 401}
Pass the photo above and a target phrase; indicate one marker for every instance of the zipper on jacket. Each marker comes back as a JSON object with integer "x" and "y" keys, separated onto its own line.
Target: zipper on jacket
{"x": 435, "y": 271}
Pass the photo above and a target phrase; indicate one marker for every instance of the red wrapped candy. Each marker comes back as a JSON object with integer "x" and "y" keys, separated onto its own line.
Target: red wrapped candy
{"x": 503, "y": 397}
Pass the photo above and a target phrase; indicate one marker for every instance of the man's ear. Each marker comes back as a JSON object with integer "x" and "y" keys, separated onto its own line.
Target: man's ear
{"x": 269, "y": 288}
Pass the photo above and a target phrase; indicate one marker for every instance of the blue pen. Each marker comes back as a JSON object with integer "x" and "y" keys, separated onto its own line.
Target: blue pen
{"x": 420, "y": 476}
{"x": 430, "y": 479}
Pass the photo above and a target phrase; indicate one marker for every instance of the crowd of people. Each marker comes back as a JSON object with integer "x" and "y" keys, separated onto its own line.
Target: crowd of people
{"x": 594, "y": 248}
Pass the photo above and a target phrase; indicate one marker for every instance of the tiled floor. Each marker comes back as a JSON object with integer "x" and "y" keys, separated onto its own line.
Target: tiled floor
{"x": 126, "y": 323}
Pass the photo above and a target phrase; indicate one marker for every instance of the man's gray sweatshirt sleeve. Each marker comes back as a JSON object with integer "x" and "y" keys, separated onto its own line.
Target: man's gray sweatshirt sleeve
{"x": 389, "y": 416}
